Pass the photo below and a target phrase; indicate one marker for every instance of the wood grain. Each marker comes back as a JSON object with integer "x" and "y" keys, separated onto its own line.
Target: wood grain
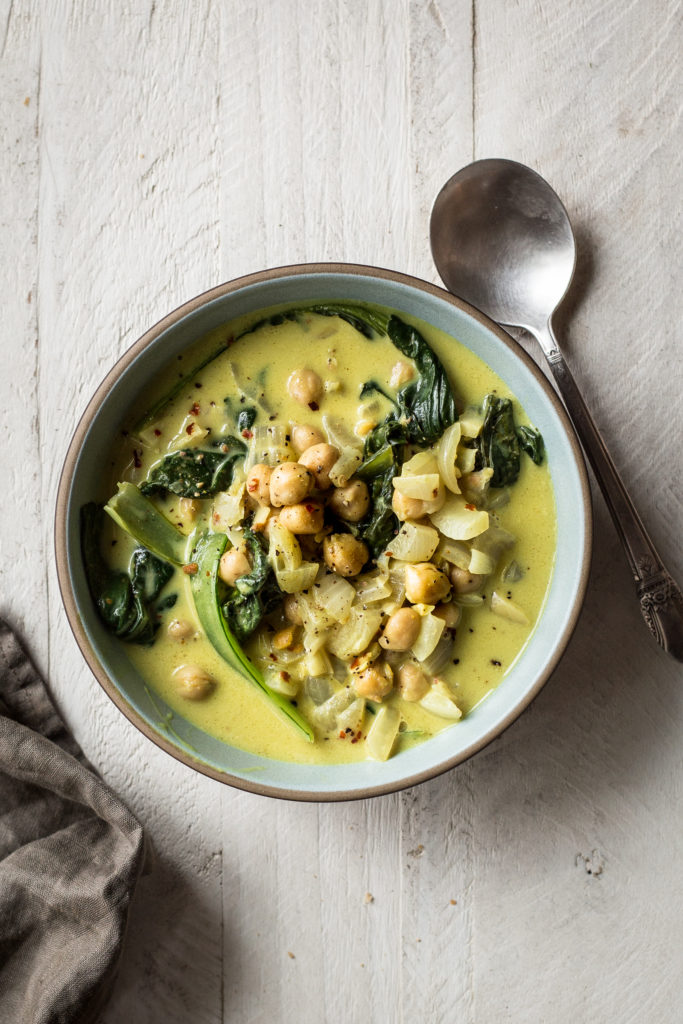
{"x": 150, "y": 151}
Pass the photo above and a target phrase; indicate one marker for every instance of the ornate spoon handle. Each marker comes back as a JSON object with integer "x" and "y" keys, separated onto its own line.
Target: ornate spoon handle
{"x": 661, "y": 601}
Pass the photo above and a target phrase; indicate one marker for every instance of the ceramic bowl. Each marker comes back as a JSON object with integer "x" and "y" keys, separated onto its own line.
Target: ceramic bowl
{"x": 310, "y": 283}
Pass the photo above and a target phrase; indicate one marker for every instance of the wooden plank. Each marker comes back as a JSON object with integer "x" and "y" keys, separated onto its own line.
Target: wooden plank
{"x": 127, "y": 230}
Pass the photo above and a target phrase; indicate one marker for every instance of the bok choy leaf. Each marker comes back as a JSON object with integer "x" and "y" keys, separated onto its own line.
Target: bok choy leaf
{"x": 205, "y": 591}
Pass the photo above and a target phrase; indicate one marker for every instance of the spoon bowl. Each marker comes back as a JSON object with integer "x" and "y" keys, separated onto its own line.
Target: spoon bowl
{"x": 502, "y": 241}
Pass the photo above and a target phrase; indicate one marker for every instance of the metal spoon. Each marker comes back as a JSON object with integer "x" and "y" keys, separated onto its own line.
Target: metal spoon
{"x": 501, "y": 240}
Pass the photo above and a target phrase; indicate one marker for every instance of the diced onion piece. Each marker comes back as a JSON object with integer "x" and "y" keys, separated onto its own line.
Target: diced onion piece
{"x": 228, "y": 508}
{"x": 318, "y": 664}
{"x": 352, "y": 637}
{"x": 459, "y": 522}
{"x": 339, "y": 435}
{"x": 481, "y": 564}
{"x": 315, "y": 619}
{"x": 467, "y": 458}
{"x": 467, "y": 600}
{"x": 335, "y": 595}
{"x": 447, "y": 451}
{"x": 284, "y": 554}
{"x": 424, "y": 487}
{"x": 314, "y": 640}
{"x": 189, "y": 435}
{"x": 431, "y": 628}
{"x": 456, "y": 552}
{"x": 319, "y": 689}
{"x": 345, "y": 466}
{"x": 439, "y": 700}
{"x": 372, "y": 587}
{"x": 293, "y": 581}
{"x": 383, "y": 732}
{"x": 352, "y": 717}
{"x": 414, "y": 542}
{"x": 471, "y": 422}
{"x": 397, "y": 578}
{"x": 325, "y": 715}
{"x": 440, "y": 656}
{"x": 282, "y": 682}
{"x": 507, "y": 609}
{"x": 269, "y": 444}
{"x": 423, "y": 462}
{"x": 261, "y": 517}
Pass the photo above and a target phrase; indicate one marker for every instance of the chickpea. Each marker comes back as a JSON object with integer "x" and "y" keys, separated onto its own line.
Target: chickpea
{"x": 465, "y": 582}
{"x": 374, "y": 682}
{"x": 319, "y": 459}
{"x": 350, "y": 502}
{"x": 412, "y": 682}
{"x": 290, "y": 483}
{"x": 450, "y": 613}
{"x": 304, "y": 437}
{"x": 292, "y": 612}
{"x": 179, "y": 629}
{"x": 407, "y": 508}
{"x": 401, "y": 630}
{"x": 425, "y": 584}
{"x": 193, "y": 682}
{"x": 305, "y": 386}
{"x": 401, "y": 373}
{"x": 233, "y": 564}
{"x": 344, "y": 554}
{"x": 304, "y": 518}
{"x": 258, "y": 483}
{"x": 188, "y": 509}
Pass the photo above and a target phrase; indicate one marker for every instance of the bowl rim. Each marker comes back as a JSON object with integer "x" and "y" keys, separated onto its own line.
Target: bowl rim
{"x": 61, "y": 522}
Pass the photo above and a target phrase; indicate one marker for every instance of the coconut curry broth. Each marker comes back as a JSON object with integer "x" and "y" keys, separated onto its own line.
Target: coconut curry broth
{"x": 260, "y": 364}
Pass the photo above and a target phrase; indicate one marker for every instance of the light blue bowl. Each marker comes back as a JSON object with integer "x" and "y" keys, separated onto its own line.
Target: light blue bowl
{"x": 80, "y": 482}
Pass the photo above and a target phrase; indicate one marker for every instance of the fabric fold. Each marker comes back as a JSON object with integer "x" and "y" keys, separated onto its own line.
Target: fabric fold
{"x": 71, "y": 854}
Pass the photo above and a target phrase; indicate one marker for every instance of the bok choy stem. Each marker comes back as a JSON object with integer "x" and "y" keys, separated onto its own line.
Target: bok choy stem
{"x": 136, "y": 514}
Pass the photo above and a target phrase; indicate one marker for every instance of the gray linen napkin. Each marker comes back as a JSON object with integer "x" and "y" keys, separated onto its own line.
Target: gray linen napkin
{"x": 70, "y": 857}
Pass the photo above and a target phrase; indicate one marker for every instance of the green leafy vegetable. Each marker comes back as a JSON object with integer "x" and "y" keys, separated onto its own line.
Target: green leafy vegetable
{"x": 368, "y": 322}
{"x": 379, "y": 527}
{"x": 253, "y": 595}
{"x": 135, "y": 514}
{"x": 245, "y": 419}
{"x": 531, "y": 442}
{"x": 500, "y": 442}
{"x": 196, "y": 473}
{"x": 427, "y": 403}
{"x": 126, "y": 603}
{"x": 205, "y": 591}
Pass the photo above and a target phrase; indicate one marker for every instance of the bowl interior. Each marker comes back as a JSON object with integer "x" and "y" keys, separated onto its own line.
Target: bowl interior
{"x": 80, "y": 483}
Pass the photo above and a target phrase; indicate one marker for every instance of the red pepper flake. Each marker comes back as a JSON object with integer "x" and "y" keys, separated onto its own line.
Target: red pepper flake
{"x": 247, "y": 433}
{"x": 285, "y": 677}
{"x": 157, "y": 433}
{"x": 313, "y": 406}
{"x": 137, "y": 461}
{"x": 191, "y": 569}
{"x": 252, "y": 486}
{"x": 194, "y": 410}
{"x": 189, "y": 428}
{"x": 273, "y": 657}
{"x": 472, "y": 508}
{"x": 342, "y": 735}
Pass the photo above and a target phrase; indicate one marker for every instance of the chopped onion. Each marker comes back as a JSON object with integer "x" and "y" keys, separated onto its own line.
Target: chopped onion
{"x": 424, "y": 487}
{"x": 439, "y": 700}
{"x": 319, "y": 689}
{"x": 467, "y": 458}
{"x": 228, "y": 508}
{"x": 288, "y": 687}
{"x": 293, "y": 581}
{"x": 383, "y": 732}
{"x": 345, "y": 466}
{"x": 447, "y": 451}
{"x": 456, "y": 552}
{"x": 441, "y": 655}
{"x": 269, "y": 444}
{"x": 318, "y": 664}
{"x": 471, "y": 422}
{"x": 414, "y": 542}
{"x": 335, "y": 595}
{"x": 431, "y": 628}
{"x": 475, "y": 486}
{"x": 459, "y": 522}
{"x": 481, "y": 564}
{"x": 355, "y": 634}
{"x": 339, "y": 435}
{"x": 352, "y": 716}
{"x": 325, "y": 714}
{"x": 420, "y": 464}
{"x": 507, "y": 609}
{"x": 490, "y": 545}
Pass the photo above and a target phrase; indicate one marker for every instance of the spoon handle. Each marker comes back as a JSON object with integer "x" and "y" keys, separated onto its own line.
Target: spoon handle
{"x": 661, "y": 601}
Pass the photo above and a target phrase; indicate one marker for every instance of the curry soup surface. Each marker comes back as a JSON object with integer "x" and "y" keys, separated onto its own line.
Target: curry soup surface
{"x": 260, "y": 364}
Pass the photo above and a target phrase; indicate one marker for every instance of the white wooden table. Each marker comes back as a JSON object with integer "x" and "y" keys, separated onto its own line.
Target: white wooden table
{"x": 152, "y": 149}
